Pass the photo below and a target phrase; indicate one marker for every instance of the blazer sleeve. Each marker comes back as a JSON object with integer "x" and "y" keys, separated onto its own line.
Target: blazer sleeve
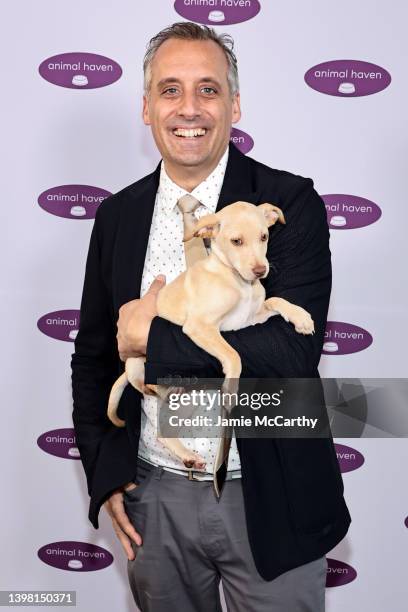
{"x": 300, "y": 271}
{"x": 94, "y": 362}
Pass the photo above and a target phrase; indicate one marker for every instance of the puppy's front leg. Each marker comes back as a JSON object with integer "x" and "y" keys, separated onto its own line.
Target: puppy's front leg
{"x": 297, "y": 315}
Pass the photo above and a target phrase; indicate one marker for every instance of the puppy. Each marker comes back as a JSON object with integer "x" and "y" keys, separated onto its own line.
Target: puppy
{"x": 219, "y": 293}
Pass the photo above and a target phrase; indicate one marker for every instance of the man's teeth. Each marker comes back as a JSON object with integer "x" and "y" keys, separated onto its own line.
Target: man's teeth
{"x": 189, "y": 133}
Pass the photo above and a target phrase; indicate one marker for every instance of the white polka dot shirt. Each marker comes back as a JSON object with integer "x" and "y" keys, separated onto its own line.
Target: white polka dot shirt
{"x": 165, "y": 255}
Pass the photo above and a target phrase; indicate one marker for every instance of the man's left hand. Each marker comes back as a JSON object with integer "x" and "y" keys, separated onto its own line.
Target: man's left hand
{"x": 134, "y": 321}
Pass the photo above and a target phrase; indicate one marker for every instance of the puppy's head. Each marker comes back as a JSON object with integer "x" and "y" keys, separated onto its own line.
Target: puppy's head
{"x": 239, "y": 236}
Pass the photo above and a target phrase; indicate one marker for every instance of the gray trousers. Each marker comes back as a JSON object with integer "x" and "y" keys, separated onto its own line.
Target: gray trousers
{"x": 191, "y": 542}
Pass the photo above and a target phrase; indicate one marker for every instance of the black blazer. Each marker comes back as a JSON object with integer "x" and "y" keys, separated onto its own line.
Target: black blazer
{"x": 293, "y": 489}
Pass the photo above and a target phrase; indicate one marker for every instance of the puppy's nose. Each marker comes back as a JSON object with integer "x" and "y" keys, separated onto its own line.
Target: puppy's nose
{"x": 259, "y": 270}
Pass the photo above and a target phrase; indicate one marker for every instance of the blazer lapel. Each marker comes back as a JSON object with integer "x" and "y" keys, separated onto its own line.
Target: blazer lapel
{"x": 238, "y": 182}
{"x": 132, "y": 239}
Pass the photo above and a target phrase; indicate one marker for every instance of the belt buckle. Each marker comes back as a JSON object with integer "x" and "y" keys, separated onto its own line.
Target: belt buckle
{"x": 192, "y": 475}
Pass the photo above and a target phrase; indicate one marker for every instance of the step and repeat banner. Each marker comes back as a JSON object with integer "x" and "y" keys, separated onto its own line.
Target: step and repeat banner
{"x": 323, "y": 92}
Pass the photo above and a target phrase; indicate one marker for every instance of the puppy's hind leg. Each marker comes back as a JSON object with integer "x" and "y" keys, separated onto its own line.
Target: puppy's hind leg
{"x": 209, "y": 338}
{"x": 191, "y": 459}
{"x": 135, "y": 370}
{"x": 133, "y": 374}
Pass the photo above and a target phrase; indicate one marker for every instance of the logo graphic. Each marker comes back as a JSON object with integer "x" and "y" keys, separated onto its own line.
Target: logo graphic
{"x": 73, "y": 201}
{"x": 60, "y": 443}
{"x": 406, "y": 522}
{"x": 61, "y": 324}
{"x": 214, "y": 12}
{"x": 339, "y": 573}
{"x": 80, "y": 70}
{"x": 241, "y": 140}
{"x": 345, "y": 338}
{"x": 347, "y": 78}
{"x": 349, "y": 458}
{"x": 75, "y": 556}
{"x": 349, "y": 211}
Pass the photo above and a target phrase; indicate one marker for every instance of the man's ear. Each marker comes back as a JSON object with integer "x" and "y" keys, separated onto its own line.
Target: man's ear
{"x": 145, "y": 111}
{"x": 236, "y": 108}
{"x": 206, "y": 227}
{"x": 272, "y": 213}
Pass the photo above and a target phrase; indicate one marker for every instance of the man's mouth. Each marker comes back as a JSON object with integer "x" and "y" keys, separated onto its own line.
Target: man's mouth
{"x": 190, "y": 133}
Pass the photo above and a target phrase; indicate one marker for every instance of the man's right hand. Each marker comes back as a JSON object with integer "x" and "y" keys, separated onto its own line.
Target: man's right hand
{"x": 134, "y": 321}
{"x": 121, "y": 523}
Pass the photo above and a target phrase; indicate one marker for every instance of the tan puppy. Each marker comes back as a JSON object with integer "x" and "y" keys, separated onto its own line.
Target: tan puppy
{"x": 220, "y": 293}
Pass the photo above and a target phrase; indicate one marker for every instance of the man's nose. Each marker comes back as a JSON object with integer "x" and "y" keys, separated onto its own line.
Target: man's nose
{"x": 259, "y": 270}
{"x": 189, "y": 106}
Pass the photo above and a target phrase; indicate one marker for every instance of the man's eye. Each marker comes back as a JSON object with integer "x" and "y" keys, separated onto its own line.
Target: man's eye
{"x": 170, "y": 90}
{"x": 208, "y": 90}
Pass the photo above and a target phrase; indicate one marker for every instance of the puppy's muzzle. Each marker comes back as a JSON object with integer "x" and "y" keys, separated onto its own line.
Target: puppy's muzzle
{"x": 259, "y": 271}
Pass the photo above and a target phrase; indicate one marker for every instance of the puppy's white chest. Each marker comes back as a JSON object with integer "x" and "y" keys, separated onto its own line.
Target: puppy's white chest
{"x": 243, "y": 313}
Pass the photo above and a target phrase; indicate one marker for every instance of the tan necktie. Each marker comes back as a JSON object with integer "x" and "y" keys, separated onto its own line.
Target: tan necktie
{"x": 195, "y": 248}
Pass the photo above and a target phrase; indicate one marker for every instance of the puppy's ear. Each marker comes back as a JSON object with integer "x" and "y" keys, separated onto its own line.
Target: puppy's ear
{"x": 206, "y": 227}
{"x": 272, "y": 213}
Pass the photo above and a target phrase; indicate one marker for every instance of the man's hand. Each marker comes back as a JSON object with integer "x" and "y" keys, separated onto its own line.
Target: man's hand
{"x": 134, "y": 321}
{"x": 120, "y": 521}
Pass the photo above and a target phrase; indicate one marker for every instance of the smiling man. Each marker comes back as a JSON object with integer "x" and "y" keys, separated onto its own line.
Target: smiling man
{"x": 189, "y": 107}
{"x": 282, "y": 507}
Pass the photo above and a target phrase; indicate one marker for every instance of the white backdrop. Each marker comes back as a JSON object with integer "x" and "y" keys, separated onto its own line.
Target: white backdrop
{"x": 90, "y": 133}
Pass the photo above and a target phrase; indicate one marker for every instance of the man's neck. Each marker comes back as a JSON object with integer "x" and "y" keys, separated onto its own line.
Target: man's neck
{"x": 189, "y": 178}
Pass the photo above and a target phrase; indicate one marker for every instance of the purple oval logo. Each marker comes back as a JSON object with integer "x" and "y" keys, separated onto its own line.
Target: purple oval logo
{"x": 75, "y": 556}
{"x": 347, "y": 78}
{"x": 61, "y": 324}
{"x": 406, "y": 522}
{"x": 60, "y": 443}
{"x": 344, "y": 338}
{"x": 241, "y": 140}
{"x": 217, "y": 12}
{"x": 349, "y": 211}
{"x": 80, "y": 70}
{"x": 73, "y": 201}
{"x": 339, "y": 573}
{"x": 349, "y": 458}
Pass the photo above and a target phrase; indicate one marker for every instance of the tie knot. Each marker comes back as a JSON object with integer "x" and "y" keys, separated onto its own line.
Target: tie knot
{"x": 188, "y": 203}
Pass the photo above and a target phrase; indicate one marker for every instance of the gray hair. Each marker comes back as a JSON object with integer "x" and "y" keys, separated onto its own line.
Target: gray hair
{"x": 187, "y": 30}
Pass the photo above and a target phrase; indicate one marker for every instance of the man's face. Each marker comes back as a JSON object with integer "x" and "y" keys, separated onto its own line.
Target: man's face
{"x": 189, "y": 91}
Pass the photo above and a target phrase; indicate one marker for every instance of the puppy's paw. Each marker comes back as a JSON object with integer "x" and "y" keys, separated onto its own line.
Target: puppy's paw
{"x": 302, "y": 321}
{"x": 193, "y": 461}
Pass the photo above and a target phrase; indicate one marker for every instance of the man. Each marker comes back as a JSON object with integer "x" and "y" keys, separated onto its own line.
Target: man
{"x": 282, "y": 507}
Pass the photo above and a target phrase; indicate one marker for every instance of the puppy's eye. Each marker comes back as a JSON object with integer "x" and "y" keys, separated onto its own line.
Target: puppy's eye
{"x": 264, "y": 237}
{"x": 236, "y": 241}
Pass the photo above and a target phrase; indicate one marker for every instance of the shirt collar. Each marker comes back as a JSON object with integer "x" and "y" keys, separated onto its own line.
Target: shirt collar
{"x": 207, "y": 192}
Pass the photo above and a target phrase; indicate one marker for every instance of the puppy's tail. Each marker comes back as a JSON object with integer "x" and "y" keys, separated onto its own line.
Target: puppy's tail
{"x": 114, "y": 399}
